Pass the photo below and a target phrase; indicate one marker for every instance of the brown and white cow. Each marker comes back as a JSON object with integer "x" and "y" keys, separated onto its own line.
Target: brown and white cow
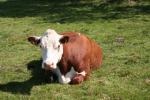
{"x": 70, "y": 55}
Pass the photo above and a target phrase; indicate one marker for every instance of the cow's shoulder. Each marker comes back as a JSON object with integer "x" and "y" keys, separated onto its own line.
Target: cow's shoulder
{"x": 73, "y": 36}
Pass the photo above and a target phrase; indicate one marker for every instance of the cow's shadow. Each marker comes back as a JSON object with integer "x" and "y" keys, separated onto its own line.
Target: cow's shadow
{"x": 38, "y": 77}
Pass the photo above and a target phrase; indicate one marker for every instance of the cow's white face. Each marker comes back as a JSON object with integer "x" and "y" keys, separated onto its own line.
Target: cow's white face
{"x": 51, "y": 48}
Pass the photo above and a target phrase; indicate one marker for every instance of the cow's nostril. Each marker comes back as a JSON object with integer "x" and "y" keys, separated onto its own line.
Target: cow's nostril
{"x": 48, "y": 65}
{"x": 52, "y": 64}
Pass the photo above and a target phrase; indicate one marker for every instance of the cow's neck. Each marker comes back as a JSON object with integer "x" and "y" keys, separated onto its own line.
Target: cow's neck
{"x": 63, "y": 66}
{"x": 64, "y": 71}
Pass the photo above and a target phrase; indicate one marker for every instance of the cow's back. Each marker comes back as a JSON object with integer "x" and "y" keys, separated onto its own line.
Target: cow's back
{"x": 96, "y": 54}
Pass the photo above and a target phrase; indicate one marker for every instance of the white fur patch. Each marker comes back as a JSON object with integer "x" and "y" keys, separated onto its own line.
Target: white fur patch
{"x": 65, "y": 79}
{"x": 70, "y": 75}
{"x": 82, "y": 73}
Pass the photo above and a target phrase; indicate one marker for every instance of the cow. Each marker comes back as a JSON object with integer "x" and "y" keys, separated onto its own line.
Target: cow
{"x": 70, "y": 55}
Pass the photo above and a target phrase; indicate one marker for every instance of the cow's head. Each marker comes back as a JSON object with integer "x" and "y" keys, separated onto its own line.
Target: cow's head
{"x": 51, "y": 48}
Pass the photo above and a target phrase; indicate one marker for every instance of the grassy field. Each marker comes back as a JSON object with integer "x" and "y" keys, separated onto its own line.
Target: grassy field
{"x": 122, "y": 30}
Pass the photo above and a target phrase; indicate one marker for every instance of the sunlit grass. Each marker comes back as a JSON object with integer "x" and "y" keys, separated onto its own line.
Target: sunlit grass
{"x": 123, "y": 35}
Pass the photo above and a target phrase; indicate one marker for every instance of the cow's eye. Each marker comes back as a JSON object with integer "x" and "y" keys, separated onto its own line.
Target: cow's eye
{"x": 58, "y": 46}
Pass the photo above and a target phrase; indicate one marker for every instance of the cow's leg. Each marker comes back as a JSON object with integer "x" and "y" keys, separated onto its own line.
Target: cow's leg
{"x": 81, "y": 75}
{"x": 77, "y": 79}
{"x": 61, "y": 78}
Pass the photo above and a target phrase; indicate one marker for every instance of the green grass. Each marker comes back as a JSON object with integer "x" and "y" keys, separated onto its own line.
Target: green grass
{"x": 122, "y": 30}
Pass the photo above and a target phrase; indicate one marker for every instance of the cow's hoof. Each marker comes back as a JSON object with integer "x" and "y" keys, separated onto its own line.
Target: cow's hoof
{"x": 77, "y": 79}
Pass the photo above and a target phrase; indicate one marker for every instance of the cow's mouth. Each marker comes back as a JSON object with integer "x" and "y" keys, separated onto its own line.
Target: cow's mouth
{"x": 49, "y": 68}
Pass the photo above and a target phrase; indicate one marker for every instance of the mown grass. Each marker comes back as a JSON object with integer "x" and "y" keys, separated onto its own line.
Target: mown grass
{"x": 122, "y": 30}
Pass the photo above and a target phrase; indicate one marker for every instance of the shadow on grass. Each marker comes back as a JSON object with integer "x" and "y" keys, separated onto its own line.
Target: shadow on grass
{"x": 68, "y": 11}
{"x": 38, "y": 78}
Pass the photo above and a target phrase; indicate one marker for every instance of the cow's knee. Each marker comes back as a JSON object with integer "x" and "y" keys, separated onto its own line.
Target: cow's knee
{"x": 77, "y": 79}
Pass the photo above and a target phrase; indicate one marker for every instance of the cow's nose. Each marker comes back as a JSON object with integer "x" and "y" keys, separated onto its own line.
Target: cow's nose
{"x": 48, "y": 66}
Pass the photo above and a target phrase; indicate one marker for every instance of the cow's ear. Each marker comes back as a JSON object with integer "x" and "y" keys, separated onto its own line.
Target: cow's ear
{"x": 64, "y": 39}
{"x": 34, "y": 40}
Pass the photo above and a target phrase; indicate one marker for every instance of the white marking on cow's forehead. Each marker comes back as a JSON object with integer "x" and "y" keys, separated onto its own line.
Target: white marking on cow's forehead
{"x": 51, "y": 35}
{"x": 50, "y": 31}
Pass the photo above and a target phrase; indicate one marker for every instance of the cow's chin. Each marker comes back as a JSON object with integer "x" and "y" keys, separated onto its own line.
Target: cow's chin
{"x": 49, "y": 69}
{"x": 46, "y": 68}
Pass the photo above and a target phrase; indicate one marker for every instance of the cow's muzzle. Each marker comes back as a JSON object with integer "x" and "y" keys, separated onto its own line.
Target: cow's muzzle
{"x": 49, "y": 66}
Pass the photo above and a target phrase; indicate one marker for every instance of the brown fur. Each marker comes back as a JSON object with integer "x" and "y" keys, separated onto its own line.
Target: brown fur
{"x": 81, "y": 53}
